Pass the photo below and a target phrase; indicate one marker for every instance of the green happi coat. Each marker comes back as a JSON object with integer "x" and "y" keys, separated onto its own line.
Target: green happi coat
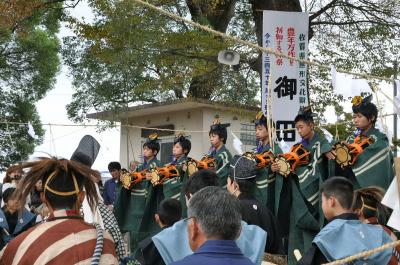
{"x": 374, "y": 166}
{"x": 172, "y": 188}
{"x": 222, "y": 159}
{"x": 129, "y": 207}
{"x": 298, "y": 199}
{"x": 265, "y": 181}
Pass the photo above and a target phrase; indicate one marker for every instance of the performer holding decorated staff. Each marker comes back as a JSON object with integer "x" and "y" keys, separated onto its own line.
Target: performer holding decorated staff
{"x": 218, "y": 136}
{"x": 365, "y": 158}
{"x": 265, "y": 188}
{"x": 297, "y": 192}
{"x": 173, "y": 187}
{"x": 132, "y": 202}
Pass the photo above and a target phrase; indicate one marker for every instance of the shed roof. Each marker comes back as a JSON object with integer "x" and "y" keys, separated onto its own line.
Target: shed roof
{"x": 171, "y": 106}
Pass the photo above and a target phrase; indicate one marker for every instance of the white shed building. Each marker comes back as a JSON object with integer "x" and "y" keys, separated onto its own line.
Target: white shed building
{"x": 192, "y": 116}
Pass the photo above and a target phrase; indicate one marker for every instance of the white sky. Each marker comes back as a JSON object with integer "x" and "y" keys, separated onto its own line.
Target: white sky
{"x": 62, "y": 141}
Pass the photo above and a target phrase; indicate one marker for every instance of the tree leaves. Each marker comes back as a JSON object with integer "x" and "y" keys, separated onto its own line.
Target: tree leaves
{"x": 130, "y": 54}
{"x": 29, "y": 62}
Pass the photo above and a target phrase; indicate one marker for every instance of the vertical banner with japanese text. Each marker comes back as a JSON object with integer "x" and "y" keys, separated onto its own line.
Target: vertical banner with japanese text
{"x": 286, "y": 80}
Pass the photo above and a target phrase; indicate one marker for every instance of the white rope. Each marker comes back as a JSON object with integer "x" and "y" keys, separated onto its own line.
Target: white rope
{"x": 172, "y": 130}
{"x": 254, "y": 45}
{"x": 269, "y": 112}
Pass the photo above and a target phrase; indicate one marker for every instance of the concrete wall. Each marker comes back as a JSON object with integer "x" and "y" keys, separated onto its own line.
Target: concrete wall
{"x": 227, "y": 117}
{"x": 198, "y": 119}
{"x": 190, "y": 120}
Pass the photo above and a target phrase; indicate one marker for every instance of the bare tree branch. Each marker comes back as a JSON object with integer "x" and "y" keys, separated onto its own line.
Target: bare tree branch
{"x": 323, "y": 10}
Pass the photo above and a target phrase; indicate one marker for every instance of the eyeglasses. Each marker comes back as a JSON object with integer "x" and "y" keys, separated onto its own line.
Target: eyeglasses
{"x": 16, "y": 177}
{"x": 188, "y": 218}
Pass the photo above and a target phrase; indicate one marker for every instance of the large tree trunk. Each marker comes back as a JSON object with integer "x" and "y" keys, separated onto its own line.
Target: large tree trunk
{"x": 202, "y": 86}
{"x": 217, "y": 15}
{"x": 258, "y": 6}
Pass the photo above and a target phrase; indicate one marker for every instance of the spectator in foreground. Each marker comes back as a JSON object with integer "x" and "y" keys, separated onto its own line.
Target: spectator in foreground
{"x": 367, "y": 205}
{"x": 214, "y": 224}
{"x": 172, "y": 243}
{"x": 14, "y": 219}
{"x": 169, "y": 212}
{"x": 345, "y": 235}
{"x": 242, "y": 184}
{"x": 65, "y": 238}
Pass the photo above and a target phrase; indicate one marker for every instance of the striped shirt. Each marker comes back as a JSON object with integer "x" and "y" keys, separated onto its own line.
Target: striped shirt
{"x": 63, "y": 239}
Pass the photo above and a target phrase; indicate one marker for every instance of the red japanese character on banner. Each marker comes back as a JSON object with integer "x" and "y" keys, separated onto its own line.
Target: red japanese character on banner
{"x": 291, "y": 44}
{"x": 278, "y": 41}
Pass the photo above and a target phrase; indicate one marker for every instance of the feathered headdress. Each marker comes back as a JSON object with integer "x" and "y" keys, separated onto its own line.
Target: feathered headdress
{"x": 152, "y": 138}
{"x": 218, "y": 126}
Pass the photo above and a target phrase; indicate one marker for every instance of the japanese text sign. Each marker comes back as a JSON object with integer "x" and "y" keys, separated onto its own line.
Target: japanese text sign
{"x": 287, "y": 33}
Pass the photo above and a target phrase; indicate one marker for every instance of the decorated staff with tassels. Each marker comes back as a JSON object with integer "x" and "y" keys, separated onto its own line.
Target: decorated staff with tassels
{"x": 218, "y": 136}
{"x": 64, "y": 238}
{"x": 172, "y": 187}
{"x": 265, "y": 179}
{"x": 135, "y": 206}
{"x": 365, "y": 158}
{"x": 297, "y": 192}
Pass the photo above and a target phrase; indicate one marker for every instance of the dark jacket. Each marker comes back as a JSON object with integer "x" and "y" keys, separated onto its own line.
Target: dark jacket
{"x": 147, "y": 253}
{"x": 109, "y": 191}
{"x": 14, "y": 224}
{"x": 254, "y": 213}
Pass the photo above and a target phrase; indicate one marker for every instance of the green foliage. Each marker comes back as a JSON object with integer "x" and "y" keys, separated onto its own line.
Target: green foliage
{"x": 358, "y": 35}
{"x": 129, "y": 54}
{"x": 342, "y": 129}
{"x": 29, "y": 62}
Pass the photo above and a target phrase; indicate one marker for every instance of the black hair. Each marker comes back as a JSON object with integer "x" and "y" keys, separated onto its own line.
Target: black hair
{"x": 221, "y": 132}
{"x": 185, "y": 143}
{"x": 64, "y": 183}
{"x": 170, "y": 211}
{"x": 368, "y": 200}
{"x": 246, "y": 186}
{"x": 305, "y": 114}
{"x": 200, "y": 179}
{"x": 63, "y": 173}
{"x": 7, "y": 194}
{"x": 114, "y": 166}
{"x": 265, "y": 124}
{"x": 263, "y": 121}
{"x": 340, "y": 188}
{"x": 153, "y": 145}
{"x": 367, "y": 109}
{"x": 306, "y": 118}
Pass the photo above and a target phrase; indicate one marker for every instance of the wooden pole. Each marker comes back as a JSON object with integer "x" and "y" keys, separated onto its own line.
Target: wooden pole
{"x": 397, "y": 168}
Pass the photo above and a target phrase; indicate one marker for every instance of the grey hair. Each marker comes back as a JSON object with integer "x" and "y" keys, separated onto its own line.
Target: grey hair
{"x": 217, "y": 212}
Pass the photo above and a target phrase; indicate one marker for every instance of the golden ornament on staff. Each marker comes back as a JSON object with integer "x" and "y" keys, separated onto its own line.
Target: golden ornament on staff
{"x": 297, "y": 156}
{"x": 347, "y": 153}
{"x": 194, "y": 165}
{"x": 262, "y": 160}
{"x": 160, "y": 174}
{"x": 130, "y": 179}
